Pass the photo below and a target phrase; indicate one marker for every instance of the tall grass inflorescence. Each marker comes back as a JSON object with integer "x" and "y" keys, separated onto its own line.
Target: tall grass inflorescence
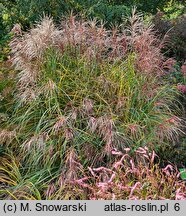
{"x": 82, "y": 91}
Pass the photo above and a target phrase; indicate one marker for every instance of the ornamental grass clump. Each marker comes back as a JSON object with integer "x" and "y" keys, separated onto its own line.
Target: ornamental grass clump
{"x": 82, "y": 91}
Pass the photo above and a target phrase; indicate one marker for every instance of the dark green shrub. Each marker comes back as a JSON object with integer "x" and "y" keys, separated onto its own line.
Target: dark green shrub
{"x": 175, "y": 31}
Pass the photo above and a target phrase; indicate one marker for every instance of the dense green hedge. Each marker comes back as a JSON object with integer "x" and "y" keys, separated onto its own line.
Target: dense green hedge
{"x": 26, "y": 12}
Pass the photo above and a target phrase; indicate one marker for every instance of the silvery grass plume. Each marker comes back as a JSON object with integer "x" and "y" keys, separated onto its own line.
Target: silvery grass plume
{"x": 6, "y": 136}
{"x": 38, "y": 140}
{"x": 143, "y": 41}
{"x": 72, "y": 165}
{"x": 90, "y": 39}
{"x": 171, "y": 128}
{"x": 27, "y": 52}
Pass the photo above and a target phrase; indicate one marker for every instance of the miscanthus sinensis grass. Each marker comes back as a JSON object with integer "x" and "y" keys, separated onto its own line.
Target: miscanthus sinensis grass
{"x": 82, "y": 91}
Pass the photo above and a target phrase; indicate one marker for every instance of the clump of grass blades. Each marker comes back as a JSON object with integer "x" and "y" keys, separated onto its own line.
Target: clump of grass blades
{"x": 82, "y": 91}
